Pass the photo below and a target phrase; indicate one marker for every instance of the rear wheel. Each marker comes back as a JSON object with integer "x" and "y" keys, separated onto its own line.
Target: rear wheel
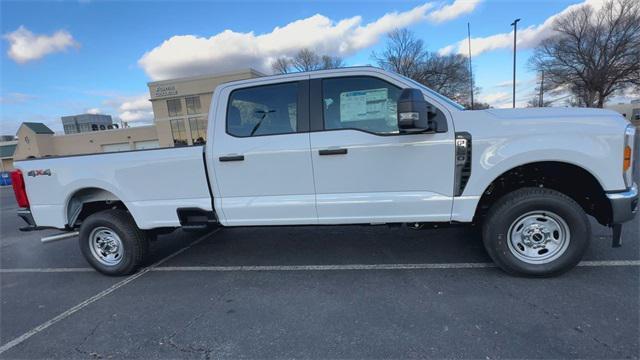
{"x": 112, "y": 243}
{"x": 536, "y": 232}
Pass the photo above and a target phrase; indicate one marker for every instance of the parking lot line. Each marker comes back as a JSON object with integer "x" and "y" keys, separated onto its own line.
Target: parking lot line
{"x": 374, "y": 266}
{"x": 45, "y": 270}
{"x": 600, "y": 263}
{"x": 96, "y": 297}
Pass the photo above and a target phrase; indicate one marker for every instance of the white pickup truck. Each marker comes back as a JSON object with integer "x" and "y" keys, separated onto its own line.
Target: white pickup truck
{"x": 351, "y": 146}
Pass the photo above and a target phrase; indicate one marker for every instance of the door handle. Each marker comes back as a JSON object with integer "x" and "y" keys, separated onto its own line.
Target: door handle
{"x": 332, "y": 151}
{"x": 231, "y": 158}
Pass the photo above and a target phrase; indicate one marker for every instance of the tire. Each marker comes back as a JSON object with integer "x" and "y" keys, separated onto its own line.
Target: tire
{"x": 536, "y": 232}
{"x": 112, "y": 243}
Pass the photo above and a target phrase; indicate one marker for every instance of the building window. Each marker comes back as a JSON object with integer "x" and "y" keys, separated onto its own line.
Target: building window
{"x": 85, "y": 127}
{"x": 198, "y": 127}
{"x": 179, "y": 132}
{"x": 174, "y": 107}
{"x": 70, "y": 129}
{"x": 193, "y": 105}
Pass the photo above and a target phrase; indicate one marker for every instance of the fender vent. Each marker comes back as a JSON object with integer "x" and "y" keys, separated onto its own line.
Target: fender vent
{"x": 462, "y": 162}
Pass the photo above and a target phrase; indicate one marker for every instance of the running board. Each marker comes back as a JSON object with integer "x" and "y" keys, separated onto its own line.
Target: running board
{"x": 52, "y": 238}
{"x": 195, "y": 219}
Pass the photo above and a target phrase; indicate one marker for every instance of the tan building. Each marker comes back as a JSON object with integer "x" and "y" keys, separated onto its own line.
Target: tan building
{"x": 37, "y": 140}
{"x": 7, "y": 148}
{"x": 630, "y": 111}
{"x": 180, "y": 106}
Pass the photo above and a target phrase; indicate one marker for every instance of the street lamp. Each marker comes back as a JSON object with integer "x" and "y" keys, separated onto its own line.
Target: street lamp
{"x": 470, "y": 70}
{"x": 515, "y": 31}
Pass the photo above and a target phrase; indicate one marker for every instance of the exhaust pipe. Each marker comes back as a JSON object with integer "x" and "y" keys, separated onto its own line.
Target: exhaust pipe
{"x": 52, "y": 238}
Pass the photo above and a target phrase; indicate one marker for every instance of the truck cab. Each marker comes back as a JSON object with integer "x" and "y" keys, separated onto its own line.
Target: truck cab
{"x": 319, "y": 149}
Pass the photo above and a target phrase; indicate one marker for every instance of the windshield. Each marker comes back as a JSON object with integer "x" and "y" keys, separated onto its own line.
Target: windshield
{"x": 435, "y": 94}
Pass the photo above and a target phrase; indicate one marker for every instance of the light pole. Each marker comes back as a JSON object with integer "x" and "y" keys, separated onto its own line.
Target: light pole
{"x": 470, "y": 71}
{"x": 515, "y": 31}
{"x": 541, "y": 97}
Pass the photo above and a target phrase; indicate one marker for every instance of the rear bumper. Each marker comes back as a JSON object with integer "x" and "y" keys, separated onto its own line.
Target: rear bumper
{"x": 624, "y": 205}
{"x": 25, "y": 214}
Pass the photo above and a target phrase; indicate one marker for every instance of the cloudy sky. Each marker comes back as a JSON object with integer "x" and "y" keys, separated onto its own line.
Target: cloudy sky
{"x": 62, "y": 58}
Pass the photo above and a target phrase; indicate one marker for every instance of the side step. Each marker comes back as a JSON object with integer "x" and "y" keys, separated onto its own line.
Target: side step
{"x": 52, "y": 238}
{"x": 194, "y": 219}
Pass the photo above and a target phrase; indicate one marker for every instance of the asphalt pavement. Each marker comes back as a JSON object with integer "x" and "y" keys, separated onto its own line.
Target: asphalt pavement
{"x": 314, "y": 292}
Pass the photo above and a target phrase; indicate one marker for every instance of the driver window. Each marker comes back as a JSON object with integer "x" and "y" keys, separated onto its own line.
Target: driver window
{"x": 362, "y": 103}
{"x": 263, "y": 110}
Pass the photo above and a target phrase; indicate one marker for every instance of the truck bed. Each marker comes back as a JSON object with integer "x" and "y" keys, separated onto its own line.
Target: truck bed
{"x": 152, "y": 184}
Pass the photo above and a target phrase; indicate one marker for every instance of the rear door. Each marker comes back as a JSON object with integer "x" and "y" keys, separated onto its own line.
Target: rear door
{"x": 261, "y": 154}
{"x": 365, "y": 170}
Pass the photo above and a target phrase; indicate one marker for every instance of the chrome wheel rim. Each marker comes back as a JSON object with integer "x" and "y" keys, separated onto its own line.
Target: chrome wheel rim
{"x": 538, "y": 237}
{"x": 106, "y": 246}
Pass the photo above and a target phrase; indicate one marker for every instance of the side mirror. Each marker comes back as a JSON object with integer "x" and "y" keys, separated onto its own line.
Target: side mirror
{"x": 415, "y": 113}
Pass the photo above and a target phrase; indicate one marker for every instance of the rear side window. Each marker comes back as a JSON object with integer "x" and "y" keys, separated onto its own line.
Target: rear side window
{"x": 263, "y": 110}
{"x": 362, "y": 103}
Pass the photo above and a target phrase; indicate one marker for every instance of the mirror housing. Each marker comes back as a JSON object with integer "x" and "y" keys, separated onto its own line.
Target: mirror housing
{"x": 415, "y": 113}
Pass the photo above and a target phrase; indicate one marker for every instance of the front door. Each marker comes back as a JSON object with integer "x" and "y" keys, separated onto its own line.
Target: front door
{"x": 262, "y": 163}
{"x": 365, "y": 170}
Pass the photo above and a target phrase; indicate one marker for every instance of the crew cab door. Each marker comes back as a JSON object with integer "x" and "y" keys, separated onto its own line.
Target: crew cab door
{"x": 365, "y": 170}
{"x": 261, "y": 154}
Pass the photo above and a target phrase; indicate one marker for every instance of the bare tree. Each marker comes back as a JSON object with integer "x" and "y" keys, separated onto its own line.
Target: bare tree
{"x": 305, "y": 60}
{"x": 407, "y": 55}
{"x": 594, "y": 54}
{"x": 477, "y": 105}
{"x": 280, "y": 66}
{"x": 535, "y": 102}
{"x": 331, "y": 62}
{"x": 448, "y": 75}
{"x": 404, "y": 54}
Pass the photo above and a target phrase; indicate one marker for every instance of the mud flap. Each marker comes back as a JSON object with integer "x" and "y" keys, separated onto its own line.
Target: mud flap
{"x": 616, "y": 239}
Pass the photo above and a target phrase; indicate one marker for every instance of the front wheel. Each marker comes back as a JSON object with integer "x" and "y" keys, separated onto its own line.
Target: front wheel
{"x": 536, "y": 232}
{"x": 112, "y": 243}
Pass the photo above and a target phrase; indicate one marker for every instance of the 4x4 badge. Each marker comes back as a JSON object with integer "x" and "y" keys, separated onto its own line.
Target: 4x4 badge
{"x": 39, "y": 172}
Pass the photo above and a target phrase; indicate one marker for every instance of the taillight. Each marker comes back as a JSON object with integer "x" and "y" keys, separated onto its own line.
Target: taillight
{"x": 19, "y": 189}
{"x": 627, "y": 155}
{"x": 626, "y": 164}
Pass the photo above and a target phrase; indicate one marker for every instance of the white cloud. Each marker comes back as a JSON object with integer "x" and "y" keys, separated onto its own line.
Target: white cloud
{"x": 527, "y": 83}
{"x": 506, "y": 83}
{"x": 496, "y": 98}
{"x": 503, "y": 100}
{"x": 16, "y": 98}
{"x": 131, "y": 109}
{"x": 93, "y": 111}
{"x": 185, "y": 55}
{"x": 450, "y": 12}
{"x": 527, "y": 37}
{"x": 25, "y": 46}
{"x": 628, "y": 95}
{"x": 135, "y": 109}
{"x": 501, "y": 95}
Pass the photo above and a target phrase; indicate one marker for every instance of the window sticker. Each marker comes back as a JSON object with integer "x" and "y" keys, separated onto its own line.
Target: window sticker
{"x": 364, "y": 105}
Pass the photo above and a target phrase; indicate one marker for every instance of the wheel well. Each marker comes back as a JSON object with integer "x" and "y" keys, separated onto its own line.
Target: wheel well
{"x": 87, "y": 201}
{"x": 569, "y": 179}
